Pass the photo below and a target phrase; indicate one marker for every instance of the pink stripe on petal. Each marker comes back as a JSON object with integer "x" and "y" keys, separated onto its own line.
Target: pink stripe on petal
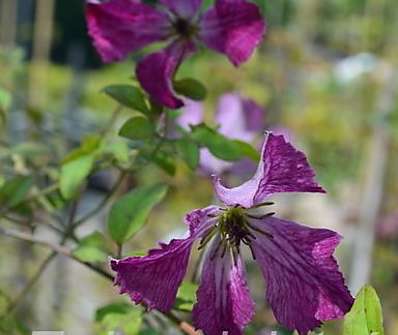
{"x": 156, "y": 71}
{"x": 118, "y": 27}
{"x": 282, "y": 168}
{"x": 224, "y": 302}
{"x": 233, "y": 27}
{"x": 304, "y": 284}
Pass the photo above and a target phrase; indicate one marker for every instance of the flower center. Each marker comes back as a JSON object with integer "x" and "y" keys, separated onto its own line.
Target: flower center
{"x": 233, "y": 228}
{"x": 184, "y": 28}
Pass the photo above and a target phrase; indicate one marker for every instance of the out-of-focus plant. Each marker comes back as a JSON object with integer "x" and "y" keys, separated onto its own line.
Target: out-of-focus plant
{"x": 42, "y": 182}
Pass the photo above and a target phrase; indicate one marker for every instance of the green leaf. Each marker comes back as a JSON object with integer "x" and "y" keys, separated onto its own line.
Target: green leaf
{"x": 247, "y": 150}
{"x": 130, "y": 212}
{"x": 149, "y": 332}
{"x": 189, "y": 152}
{"x": 5, "y": 102}
{"x": 92, "y": 248}
{"x": 90, "y": 254}
{"x": 219, "y": 145}
{"x": 119, "y": 316}
{"x": 186, "y": 296}
{"x": 5, "y": 99}
{"x": 119, "y": 150}
{"x": 128, "y": 96}
{"x": 14, "y": 190}
{"x": 165, "y": 161}
{"x": 137, "y": 128}
{"x": 365, "y": 317}
{"x": 190, "y": 88}
{"x": 116, "y": 308}
{"x": 73, "y": 174}
{"x": 91, "y": 144}
{"x": 95, "y": 239}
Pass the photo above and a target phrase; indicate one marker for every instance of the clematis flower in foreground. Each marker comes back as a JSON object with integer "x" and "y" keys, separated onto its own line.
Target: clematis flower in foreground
{"x": 238, "y": 118}
{"x": 304, "y": 285}
{"x": 118, "y": 27}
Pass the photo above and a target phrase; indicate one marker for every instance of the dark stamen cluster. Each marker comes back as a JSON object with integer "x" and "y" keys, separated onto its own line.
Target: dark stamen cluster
{"x": 233, "y": 229}
{"x": 184, "y": 28}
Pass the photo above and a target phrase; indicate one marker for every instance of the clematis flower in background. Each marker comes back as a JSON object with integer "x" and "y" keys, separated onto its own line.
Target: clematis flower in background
{"x": 238, "y": 118}
{"x": 118, "y": 27}
{"x": 304, "y": 285}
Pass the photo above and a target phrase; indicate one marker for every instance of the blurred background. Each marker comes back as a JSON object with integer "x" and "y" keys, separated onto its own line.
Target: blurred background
{"x": 327, "y": 72}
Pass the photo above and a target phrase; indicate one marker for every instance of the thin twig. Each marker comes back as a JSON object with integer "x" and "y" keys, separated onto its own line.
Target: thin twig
{"x": 103, "y": 203}
{"x": 182, "y": 325}
{"x": 112, "y": 121}
{"x": 52, "y": 246}
{"x": 14, "y": 304}
{"x": 22, "y": 222}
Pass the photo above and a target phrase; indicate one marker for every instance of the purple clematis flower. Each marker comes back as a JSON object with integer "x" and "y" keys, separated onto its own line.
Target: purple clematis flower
{"x": 238, "y": 118}
{"x": 304, "y": 285}
{"x": 117, "y": 27}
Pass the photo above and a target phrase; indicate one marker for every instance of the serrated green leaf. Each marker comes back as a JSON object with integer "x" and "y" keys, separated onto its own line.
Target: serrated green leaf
{"x": 365, "y": 317}
{"x": 14, "y": 190}
{"x": 130, "y": 212}
{"x": 73, "y": 174}
{"x": 137, "y": 128}
{"x": 128, "y": 96}
{"x": 190, "y": 88}
{"x": 189, "y": 152}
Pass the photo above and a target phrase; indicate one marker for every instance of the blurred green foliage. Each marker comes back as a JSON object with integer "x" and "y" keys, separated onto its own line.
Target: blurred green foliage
{"x": 294, "y": 76}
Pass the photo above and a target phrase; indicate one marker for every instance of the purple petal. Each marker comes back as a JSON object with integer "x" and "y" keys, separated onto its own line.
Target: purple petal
{"x": 192, "y": 114}
{"x": 154, "y": 279}
{"x": 304, "y": 284}
{"x": 232, "y": 119}
{"x": 282, "y": 168}
{"x": 233, "y": 27}
{"x": 118, "y": 27}
{"x": 155, "y": 73}
{"x": 224, "y": 302}
{"x": 200, "y": 220}
{"x": 254, "y": 115}
{"x": 183, "y": 8}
